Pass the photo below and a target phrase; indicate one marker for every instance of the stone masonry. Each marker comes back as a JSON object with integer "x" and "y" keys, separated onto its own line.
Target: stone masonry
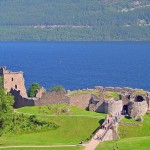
{"x": 135, "y": 102}
{"x": 13, "y": 80}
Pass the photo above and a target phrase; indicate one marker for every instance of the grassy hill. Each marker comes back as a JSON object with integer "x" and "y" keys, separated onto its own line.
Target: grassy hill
{"x": 82, "y": 20}
{"x": 73, "y": 128}
{"x": 132, "y": 137}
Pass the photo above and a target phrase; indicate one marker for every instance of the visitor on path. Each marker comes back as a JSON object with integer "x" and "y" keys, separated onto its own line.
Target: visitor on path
{"x": 116, "y": 119}
{"x": 105, "y": 127}
{"x": 108, "y": 120}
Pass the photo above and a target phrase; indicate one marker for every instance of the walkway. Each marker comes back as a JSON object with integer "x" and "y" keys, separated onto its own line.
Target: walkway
{"x": 102, "y": 134}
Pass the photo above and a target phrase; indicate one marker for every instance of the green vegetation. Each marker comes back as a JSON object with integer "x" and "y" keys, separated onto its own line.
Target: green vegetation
{"x": 69, "y": 129}
{"x": 82, "y": 20}
{"x": 33, "y": 89}
{"x": 109, "y": 95}
{"x": 58, "y": 148}
{"x": 135, "y": 131}
{"x": 57, "y": 88}
{"x": 139, "y": 92}
{"x": 11, "y": 122}
{"x": 6, "y": 111}
{"x": 94, "y": 92}
{"x": 59, "y": 109}
{"x": 72, "y": 130}
{"x": 1, "y": 81}
{"x": 140, "y": 143}
{"x": 133, "y": 137}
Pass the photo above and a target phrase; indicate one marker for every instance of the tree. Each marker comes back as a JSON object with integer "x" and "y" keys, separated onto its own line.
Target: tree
{"x": 6, "y": 109}
{"x": 1, "y": 82}
{"x": 57, "y": 88}
{"x": 33, "y": 89}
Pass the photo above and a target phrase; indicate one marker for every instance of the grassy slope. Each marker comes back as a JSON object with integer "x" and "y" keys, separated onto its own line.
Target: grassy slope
{"x": 61, "y": 148}
{"x": 52, "y": 110}
{"x": 73, "y": 93}
{"x": 72, "y": 130}
{"x": 140, "y": 143}
{"x": 132, "y": 137}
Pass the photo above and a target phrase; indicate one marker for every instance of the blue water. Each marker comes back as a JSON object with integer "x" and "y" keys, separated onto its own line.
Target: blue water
{"x": 80, "y": 64}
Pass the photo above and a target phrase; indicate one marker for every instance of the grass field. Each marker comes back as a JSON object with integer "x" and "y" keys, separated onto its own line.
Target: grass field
{"x": 132, "y": 137}
{"x": 57, "y": 148}
{"x": 72, "y": 130}
{"x": 58, "y": 110}
{"x": 94, "y": 92}
{"x": 140, "y": 143}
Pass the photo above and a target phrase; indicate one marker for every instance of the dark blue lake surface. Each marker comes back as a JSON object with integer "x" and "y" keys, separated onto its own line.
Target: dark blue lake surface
{"x": 79, "y": 64}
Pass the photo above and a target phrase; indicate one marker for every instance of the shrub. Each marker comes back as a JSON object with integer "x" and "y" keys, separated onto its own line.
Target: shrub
{"x": 33, "y": 90}
{"x": 58, "y": 88}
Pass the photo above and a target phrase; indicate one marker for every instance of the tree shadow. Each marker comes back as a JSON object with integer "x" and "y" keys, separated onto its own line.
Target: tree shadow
{"x": 101, "y": 121}
{"x": 127, "y": 117}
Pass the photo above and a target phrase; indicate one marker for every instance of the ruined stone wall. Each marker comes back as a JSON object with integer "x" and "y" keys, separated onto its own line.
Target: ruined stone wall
{"x": 49, "y": 98}
{"x": 125, "y": 99}
{"x": 137, "y": 109}
{"x": 112, "y": 106}
{"x": 100, "y": 107}
{"x": 40, "y": 92}
{"x": 80, "y": 100}
{"x": 21, "y": 101}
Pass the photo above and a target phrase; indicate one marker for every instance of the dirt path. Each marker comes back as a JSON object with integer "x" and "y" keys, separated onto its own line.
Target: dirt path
{"x": 94, "y": 142}
{"x": 51, "y": 146}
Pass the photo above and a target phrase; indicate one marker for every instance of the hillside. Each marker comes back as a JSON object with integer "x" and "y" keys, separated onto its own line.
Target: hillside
{"x": 85, "y": 20}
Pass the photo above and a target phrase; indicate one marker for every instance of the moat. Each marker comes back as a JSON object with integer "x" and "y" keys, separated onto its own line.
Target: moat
{"x": 79, "y": 65}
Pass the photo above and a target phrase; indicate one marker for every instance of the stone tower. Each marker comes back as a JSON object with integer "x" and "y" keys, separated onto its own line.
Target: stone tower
{"x": 13, "y": 81}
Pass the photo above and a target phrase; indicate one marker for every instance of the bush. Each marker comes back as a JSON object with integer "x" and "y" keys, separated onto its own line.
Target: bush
{"x": 33, "y": 90}
{"x": 58, "y": 88}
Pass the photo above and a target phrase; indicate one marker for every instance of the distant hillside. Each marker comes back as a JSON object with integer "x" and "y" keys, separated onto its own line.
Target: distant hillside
{"x": 82, "y": 20}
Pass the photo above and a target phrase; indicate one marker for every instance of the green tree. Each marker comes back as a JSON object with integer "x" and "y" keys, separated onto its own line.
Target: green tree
{"x": 1, "y": 82}
{"x": 6, "y": 110}
{"x": 57, "y": 88}
{"x": 33, "y": 89}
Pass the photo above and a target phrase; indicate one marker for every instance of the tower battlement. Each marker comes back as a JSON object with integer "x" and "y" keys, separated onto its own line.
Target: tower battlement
{"x": 13, "y": 81}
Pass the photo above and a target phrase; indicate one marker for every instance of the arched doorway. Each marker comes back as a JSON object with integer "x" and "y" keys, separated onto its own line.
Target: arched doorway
{"x": 125, "y": 110}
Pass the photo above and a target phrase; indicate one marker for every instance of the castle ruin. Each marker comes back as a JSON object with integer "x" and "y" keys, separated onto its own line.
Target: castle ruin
{"x": 135, "y": 102}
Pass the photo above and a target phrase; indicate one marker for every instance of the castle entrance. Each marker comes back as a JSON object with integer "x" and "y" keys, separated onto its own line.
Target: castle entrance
{"x": 125, "y": 110}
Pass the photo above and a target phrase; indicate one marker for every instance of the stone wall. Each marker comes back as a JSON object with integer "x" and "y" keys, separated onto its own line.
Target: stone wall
{"x": 49, "y": 98}
{"x": 137, "y": 108}
{"x": 99, "y": 107}
{"x": 21, "y": 101}
{"x": 80, "y": 100}
{"x": 40, "y": 92}
{"x": 112, "y": 106}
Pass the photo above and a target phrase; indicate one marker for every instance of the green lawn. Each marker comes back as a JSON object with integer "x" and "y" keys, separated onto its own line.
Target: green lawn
{"x": 132, "y": 137}
{"x": 108, "y": 95}
{"x": 58, "y": 148}
{"x": 94, "y": 92}
{"x": 58, "y": 110}
{"x": 140, "y": 143}
{"x": 135, "y": 131}
{"x": 72, "y": 130}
